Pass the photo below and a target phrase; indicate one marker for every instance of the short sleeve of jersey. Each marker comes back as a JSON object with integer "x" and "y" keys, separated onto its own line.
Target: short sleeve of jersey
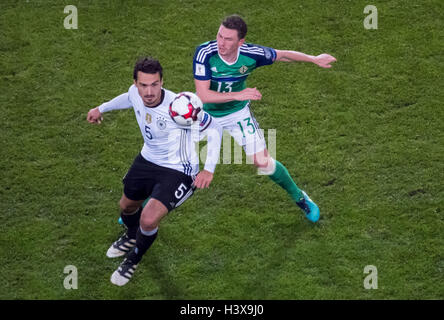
{"x": 263, "y": 55}
{"x": 201, "y": 65}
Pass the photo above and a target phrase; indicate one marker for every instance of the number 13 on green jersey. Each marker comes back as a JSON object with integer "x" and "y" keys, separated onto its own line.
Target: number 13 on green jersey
{"x": 226, "y": 77}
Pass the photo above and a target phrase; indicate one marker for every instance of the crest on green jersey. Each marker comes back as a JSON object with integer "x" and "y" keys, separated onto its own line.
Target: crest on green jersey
{"x": 243, "y": 69}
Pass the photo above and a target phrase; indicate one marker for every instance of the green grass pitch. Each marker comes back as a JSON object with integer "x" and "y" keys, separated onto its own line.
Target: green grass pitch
{"x": 364, "y": 139}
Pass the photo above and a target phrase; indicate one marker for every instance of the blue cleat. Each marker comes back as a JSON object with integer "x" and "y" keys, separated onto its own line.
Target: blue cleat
{"x": 310, "y": 208}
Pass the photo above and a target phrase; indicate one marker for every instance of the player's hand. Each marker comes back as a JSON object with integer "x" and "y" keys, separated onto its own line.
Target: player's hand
{"x": 203, "y": 179}
{"x": 249, "y": 94}
{"x": 324, "y": 60}
{"x": 94, "y": 116}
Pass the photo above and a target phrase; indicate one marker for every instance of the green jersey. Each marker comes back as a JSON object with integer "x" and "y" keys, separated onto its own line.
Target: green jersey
{"x": 226, "y": 77}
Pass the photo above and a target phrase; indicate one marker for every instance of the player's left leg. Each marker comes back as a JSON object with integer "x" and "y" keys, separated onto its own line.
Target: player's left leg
{"x": 255, "y": 147}
{"x": 245, "y": 130}
{"x": 279, "y": 174}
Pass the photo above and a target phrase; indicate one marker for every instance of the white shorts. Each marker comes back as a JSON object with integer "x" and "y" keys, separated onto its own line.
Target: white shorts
{"x": 245, "y": 130}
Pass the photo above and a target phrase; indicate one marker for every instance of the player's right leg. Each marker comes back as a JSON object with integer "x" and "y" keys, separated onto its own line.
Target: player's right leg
{"x": 152, "y": 213}
{"x": 136, "y": 188}
{"x": 130, "y": 212}
{"x": 120, "y": 221}
{"x": 171, "y": 189}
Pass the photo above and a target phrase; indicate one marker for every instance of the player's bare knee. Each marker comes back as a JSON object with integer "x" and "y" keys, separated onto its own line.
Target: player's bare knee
{"x": 269, "y": 168}
{"x": 124, "y": 205}
{"x": 262, "y": 161}
{"x": 128, "y": 207}
{"x": 148, "y": 222}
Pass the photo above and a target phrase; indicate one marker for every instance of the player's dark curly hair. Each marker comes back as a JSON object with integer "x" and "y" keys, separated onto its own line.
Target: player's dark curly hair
{"x": 147, "y": 65}
{"x": 236, "y": 22}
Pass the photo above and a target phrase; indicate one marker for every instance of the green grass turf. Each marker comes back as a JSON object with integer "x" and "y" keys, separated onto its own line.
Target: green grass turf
{"x": 364, "y": 139}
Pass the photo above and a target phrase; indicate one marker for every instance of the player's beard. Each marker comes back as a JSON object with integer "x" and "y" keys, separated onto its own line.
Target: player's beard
{"x": 151, "y": 100}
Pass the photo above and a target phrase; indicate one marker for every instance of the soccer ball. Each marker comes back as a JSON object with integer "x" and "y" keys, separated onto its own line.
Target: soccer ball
{"x": 185, "y": 108}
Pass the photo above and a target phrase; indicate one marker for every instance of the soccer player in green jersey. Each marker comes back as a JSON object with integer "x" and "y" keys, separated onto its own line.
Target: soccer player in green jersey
{"x": 221, "y": 68}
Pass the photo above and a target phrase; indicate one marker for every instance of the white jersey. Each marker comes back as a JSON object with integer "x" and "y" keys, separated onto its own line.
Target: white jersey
{"x": 166, "y": 143}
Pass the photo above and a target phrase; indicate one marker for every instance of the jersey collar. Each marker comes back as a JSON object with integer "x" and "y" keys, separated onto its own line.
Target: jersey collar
{"x": 229, "y": 63}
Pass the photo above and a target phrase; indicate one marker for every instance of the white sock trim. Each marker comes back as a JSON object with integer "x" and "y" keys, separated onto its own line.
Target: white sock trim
{"x": 148, "y": 233}
{"x": 269, "y": 169}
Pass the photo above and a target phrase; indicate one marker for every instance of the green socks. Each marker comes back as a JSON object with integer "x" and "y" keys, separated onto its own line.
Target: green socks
{"x": 283, "y": 178}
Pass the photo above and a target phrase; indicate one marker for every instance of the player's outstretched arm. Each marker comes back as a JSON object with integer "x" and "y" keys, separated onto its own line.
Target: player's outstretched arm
{"x": 323, "y": 60}
{"x": 210, "y": 96}
{"x": 122, "y": 101}
{"x": 94, "y": 116}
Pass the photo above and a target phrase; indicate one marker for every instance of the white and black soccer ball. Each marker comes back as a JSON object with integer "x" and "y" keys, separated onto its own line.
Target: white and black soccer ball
{"x": 186, "y": 108}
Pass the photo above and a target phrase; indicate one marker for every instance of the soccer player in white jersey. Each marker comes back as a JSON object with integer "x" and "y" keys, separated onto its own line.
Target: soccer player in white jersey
{"x": 221, "y": 68}
{"x": 165, "y": 170}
